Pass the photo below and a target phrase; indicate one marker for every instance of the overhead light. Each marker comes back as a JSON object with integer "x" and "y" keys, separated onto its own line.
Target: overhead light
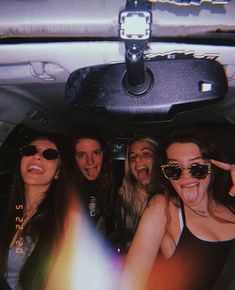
{"x": 135, "y": 25}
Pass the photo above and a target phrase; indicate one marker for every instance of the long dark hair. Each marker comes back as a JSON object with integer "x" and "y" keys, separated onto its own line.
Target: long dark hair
{"x": 220, "y": 183}
{"x": 103, "y": 186}
{"x": 45, "y": 227}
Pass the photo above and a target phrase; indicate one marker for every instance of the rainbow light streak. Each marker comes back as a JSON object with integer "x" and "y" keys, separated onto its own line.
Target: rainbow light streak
{"x": 84, "y": 261}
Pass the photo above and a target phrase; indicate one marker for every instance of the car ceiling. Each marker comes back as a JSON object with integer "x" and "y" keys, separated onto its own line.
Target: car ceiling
{"x": 43, "y": 42}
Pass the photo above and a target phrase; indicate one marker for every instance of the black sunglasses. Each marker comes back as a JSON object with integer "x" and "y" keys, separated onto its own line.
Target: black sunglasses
{"x": 31, "y": 150}
{"x": 197, "y": 170}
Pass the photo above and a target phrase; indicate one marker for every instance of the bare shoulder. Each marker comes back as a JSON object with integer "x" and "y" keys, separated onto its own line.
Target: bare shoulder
{"x": 161, "y": 201}
{"x": 224, "y": 212}
{"x": 156, "y": 208}
{"x": 158, "y": 200}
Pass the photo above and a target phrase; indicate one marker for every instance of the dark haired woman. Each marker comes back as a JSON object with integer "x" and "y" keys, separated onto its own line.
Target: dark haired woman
{"x": 191, "y": 229}
{"x": 95, "y": 178}
{"x": 35, "y": 215}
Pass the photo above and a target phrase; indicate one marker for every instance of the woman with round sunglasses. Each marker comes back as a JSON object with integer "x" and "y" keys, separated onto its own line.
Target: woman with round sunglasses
{"x": 35, "y": 214}
{"x": 140, "y": 183}
{"x": 191, "y": 227}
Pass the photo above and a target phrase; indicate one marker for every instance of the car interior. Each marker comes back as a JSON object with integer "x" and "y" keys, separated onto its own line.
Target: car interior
{"x": 127, "y": 67}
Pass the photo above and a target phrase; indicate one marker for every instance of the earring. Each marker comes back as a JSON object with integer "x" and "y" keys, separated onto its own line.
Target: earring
{"x": 57, "y": 175}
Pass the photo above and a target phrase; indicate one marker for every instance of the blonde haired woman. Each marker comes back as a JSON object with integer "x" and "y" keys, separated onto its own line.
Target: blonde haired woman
{"x": 140, "y": 182}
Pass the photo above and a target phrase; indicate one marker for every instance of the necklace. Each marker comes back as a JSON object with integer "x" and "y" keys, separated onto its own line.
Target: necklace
{"x": 202, "y": 213}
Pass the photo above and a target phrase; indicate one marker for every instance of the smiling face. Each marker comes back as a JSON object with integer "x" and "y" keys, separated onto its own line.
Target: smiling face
{"x": 36, "y": 171}
{"x": 193, "y": 191}
{"x": 89, "y": 158}
{"x": 141, "y": 159}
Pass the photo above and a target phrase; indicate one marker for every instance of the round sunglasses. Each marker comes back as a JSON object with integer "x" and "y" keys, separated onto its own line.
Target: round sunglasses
{"x": 31, "y": 150}
{"x": 197, "y": 170}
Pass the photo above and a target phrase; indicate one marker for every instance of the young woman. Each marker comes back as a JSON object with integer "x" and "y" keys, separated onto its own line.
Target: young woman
{"x": 34, "y": 215}
{"x": 191, "y": 228}
{"x": 94, "y": 177}
{"x": 140, "y": 183}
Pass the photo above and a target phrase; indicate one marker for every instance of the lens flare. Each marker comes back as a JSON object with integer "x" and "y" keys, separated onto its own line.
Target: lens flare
{"x": 83, "y": 260}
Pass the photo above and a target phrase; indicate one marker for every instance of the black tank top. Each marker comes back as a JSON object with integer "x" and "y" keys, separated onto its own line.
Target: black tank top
{"x": 195, "y": 264}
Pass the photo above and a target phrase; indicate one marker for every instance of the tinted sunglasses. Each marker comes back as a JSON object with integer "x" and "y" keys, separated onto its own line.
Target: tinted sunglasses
{"x": 197, "y": 170}
{"x": 31, "y": 150}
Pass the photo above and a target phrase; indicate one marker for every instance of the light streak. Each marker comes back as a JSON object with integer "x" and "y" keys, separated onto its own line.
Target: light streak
{"x": 83, "y": 260}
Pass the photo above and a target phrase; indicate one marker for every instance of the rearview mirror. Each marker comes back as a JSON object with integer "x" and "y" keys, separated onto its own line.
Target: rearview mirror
{"x": 173, "y": 86}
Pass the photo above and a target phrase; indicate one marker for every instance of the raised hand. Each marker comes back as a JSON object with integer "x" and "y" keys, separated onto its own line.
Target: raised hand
{"x": 227, "y": 167}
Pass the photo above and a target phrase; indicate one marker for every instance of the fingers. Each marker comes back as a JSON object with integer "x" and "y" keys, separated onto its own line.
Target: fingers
{"x": 227, "y": 167}
{"x": 222, "y": 165}
{"x": 232, "y": 191}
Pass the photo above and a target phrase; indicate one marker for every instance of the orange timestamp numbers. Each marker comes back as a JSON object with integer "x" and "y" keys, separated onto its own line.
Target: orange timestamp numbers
{"x": 19, "y": 221}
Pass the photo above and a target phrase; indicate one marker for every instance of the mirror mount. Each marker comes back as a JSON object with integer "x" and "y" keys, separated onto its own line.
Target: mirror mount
{"x": 135, "y": 29}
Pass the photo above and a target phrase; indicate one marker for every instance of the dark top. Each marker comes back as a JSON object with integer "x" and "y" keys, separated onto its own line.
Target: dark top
{"x": 89, "y": 198}
{"x": 195, "y": 264}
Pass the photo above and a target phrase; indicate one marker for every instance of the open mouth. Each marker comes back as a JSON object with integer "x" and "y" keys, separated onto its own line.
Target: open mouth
{"x": 35, "y": 169}
{"x": 143, "y": 174}
{"x": 92, "y": 173}
{"x": 190, "y": 192}
{"x": 189, "y": 185}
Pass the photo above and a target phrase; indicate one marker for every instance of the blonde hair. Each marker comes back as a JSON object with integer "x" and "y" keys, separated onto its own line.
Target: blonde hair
{"x": 134, "y": 196}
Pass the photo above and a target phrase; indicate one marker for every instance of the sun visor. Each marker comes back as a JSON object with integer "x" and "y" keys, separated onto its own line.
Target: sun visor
{"x": 171, "y": 86}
